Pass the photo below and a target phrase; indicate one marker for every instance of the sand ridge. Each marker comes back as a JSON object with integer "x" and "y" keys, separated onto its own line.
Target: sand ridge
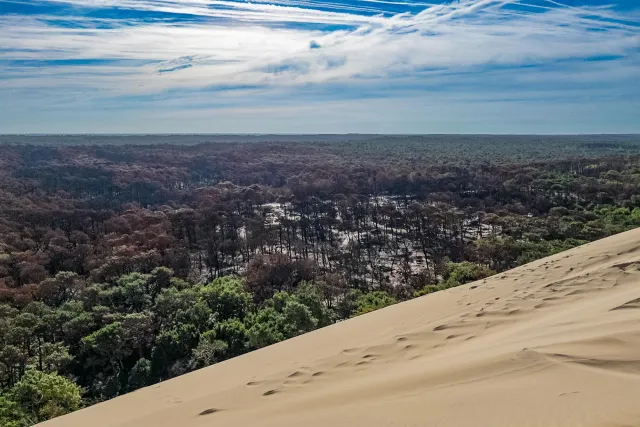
{"x": 553, "y": 343}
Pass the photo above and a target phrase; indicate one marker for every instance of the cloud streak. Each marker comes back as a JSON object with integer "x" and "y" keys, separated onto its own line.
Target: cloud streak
{"x": 92, "y": 50}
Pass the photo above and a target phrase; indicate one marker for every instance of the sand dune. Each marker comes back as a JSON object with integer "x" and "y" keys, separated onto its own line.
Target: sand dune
{"x": 553, "y": 343}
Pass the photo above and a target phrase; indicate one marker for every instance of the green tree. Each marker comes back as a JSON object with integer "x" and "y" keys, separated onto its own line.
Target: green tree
{"x": 103, "y": 352}
{"x": 54, "y": 357}
{"x": 76, "y": 327}
{"x": 227, "y": 297}
{"x": 11, "y": 414}
{"x": 140, "y": 375}
{"x": 176, "y": 307}
{"x": 107, "y": 346}
{"x": 210, "y": 350}
{"x": 457, "y": 274}
{"x": 160, "y": 278}
{"x": 234, "y": 333}
{"x": 12, "y": 363}
{"x": 428, "y": 289}
{"x": 129, "y": 294}
{"x": 63, "y": 287}
{"x": 138, "y": 331}
{"x": 309, "y": 294}
{"x": 44, "y": 396}
{"x": 346, "y": 307}
{"x": 284, "y": 316}
{"x": 297, "y": 319}
{"x": 173, "y": 349}
{"x": 266, "y": 328}
{"x": 372, "y": 301}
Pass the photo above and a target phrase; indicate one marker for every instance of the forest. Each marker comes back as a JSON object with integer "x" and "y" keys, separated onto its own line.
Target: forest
{"x": 125, "y": 261}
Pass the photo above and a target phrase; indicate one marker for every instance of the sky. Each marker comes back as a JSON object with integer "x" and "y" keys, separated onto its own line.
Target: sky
{"x": 320, "y": 66}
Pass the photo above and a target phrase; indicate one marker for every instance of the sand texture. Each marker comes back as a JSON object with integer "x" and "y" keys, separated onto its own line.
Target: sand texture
{"x": 553, "y": 343}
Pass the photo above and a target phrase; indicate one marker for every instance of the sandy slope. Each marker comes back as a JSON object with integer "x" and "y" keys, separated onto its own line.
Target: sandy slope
{"x": 552, "y": 343}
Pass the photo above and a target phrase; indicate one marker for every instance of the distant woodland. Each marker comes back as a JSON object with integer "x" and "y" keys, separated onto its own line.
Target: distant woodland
{"x": 125, "y": 264}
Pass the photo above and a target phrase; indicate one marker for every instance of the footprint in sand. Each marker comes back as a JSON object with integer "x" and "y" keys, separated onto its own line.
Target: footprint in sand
{"x": 568, "y": 394}
{"x": 254, "y": 383}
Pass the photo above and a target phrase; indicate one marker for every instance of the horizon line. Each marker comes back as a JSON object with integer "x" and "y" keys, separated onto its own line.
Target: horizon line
{"x": 313, "y": 134}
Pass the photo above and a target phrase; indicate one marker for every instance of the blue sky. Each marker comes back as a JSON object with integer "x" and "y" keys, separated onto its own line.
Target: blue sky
{"x": 319, "y": 66}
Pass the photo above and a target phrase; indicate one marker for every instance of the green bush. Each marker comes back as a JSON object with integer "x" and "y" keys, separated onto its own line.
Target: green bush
{"x": 43, "y": 396}
{"x": 373, "y": 301}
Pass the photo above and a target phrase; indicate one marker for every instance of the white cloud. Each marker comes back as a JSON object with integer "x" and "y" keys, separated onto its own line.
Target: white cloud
{"x": 237, "y": 44}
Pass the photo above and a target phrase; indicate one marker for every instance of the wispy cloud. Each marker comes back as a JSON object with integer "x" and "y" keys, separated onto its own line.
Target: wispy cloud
{"x": 135, "y": 52}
